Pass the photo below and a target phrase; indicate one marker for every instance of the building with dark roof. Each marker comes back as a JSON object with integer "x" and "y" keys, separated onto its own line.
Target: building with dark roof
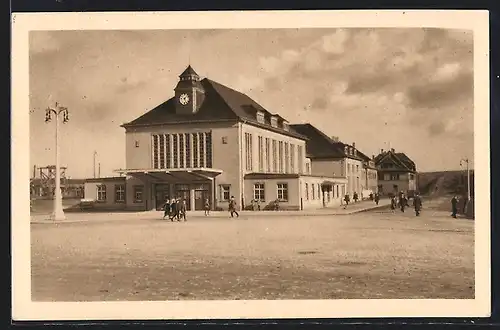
{"x": 396, "y": 172}
{"x": 329, "y": 156}
{"x": 210, "y": 143}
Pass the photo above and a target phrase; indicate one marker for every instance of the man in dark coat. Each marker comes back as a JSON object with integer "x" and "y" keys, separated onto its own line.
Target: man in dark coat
{"x": 355, "y": 197}
{"x": 347, "y": 199}
{"x": 454, "y": 206}
{"x": 377, "y": 198}
{"x": 417, "y": 203}
{"x": 166, "y": 209}
{"x": 402, "y": 202}
{"x": 394, "y": 203}
{"x": 173, "y": 210}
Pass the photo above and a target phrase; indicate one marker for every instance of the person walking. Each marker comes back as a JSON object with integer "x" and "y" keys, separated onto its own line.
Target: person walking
{"x": 207, "y": 207}
{"x": 376, "y": 198}
{"x": 417, "y": 204}
{"x": 183, "y": 210}
{"x": 173, "y": 209}
{"x": 454, "y": 206}
{"x": 347, "y": 199}
{"x": 166, "y": 208}
{"x": 355, "y": 197}
{"x": 403, "y": 202}
{"x": 232, "y": 207}
{"x": 393, "y": 203}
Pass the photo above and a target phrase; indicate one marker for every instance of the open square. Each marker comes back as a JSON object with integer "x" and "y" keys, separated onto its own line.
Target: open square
{"x": 375, "y": 254}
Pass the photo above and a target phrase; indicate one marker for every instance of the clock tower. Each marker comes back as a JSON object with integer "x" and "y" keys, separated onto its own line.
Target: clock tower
{"x": 189, "y": 93}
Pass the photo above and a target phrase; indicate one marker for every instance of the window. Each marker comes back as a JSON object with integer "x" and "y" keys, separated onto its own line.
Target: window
{"x": 308, "y": 168}
{"x": 168, "y": 151}
{"x": 248, "y": 151}
{"x": 225, "y": 192}
{"x": 300, "y": 159}
{"x": 268, "y": 155}
{"x": 101, "y": 193}
{"x": 313, "y": 192}
{"x": 258, "y": 192}
{"x": 260, "y": 117}
{"x": 203, "y": 149}
{"x": 286, "y": 127}
{"x": 275, "y": 157}
{"x": 119, "y": 193}
{"x": 196, "y": 149}
{"x": 274, "y": 121}
{"x": 261, "y": 154}
{"x": 307, "y": 191}
{"x": 187, "y": 138}
{"x": 283, "y": 192}
{"x": 412, "y": 176}
{"x": 155, "y": 151}
{"x": 357, "y": 168}
{"x": 138, "y": 194}
{"x": 182, "y": 151}
{"x": 287, "y": 158}
{"x": 292, "y": 158}
{"x": 319, "y": 191}
{"x": 394, "y": 176}
{"x": 176, "y": 151}
{"x": 280, "y": 156}
{"x": 137, "y": 144}
{"x": 224, "y": 140}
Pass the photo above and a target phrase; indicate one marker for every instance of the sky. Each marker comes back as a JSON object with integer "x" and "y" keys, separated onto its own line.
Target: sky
{"x": 407, "y": 89}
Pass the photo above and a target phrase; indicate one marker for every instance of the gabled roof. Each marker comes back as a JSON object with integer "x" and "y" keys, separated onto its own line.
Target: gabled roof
{"x": 221, "y": 104}
{"x": 321, "y": 145}
{"x": 400, "y": 159}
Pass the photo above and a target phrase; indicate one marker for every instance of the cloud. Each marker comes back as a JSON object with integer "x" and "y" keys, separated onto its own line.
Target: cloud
{"x": 437, "y": 94}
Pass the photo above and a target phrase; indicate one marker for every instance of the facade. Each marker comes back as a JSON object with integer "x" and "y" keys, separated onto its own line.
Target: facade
{"x": 212, "y": 142}
{"x": 330, "y": 157}
{"x": 396, "y": 172}
{"x": 370, "y": 175}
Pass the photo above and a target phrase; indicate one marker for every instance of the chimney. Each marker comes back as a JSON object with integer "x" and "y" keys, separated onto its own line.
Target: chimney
{"x": 392, "y": 149}
{"x": 373, "y": 157}
{"x": 354, "y": 144}
{"x": 381, "y": 151}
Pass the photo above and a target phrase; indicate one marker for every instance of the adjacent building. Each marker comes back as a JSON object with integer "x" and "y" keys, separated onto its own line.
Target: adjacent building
{"x": 396, "y": 172}
{"x": 330, "y": 156}
{"x": 211, "y": 142}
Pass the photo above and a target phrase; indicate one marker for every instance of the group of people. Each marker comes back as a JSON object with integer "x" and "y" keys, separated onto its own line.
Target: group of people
{"x": 347, "y": 199}
{"x": 401, "y": 201}
{"x": 175, "y": 209}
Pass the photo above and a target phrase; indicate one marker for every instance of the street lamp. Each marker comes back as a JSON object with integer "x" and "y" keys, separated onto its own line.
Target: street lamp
{"x": 57, "y": 111}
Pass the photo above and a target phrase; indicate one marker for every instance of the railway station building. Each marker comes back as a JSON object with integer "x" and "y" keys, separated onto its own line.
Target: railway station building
{"x": 212, "y": 142}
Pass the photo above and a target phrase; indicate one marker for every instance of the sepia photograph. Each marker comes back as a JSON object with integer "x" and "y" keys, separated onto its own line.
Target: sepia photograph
{"x": 234, "y": 168}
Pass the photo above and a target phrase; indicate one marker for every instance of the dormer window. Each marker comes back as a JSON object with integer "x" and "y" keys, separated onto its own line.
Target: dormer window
{"x": 286, "y": 127}
{"x": 274, "y": 121}
{"x": 345, "y": 150}
{"x": 350, "y": 151}
{"x": 260, "y": 117}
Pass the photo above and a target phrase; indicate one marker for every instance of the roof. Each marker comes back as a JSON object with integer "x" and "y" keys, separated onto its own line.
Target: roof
{"x": 221, "y": 104}
{"x": 399, "y": 158}
{"x": 189, "y": 71}
{"x": 106, "y": 179}
{"x": 321, "y": 145}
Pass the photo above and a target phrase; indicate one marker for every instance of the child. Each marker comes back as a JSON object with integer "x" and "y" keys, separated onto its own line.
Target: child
{"x": 207, "y": 207}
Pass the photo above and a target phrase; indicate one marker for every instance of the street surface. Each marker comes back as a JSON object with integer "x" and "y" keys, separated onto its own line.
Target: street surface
{"x": 374, "y": 254}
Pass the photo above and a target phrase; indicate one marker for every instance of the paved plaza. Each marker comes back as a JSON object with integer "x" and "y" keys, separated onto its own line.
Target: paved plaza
{"x": 373, "y": 254}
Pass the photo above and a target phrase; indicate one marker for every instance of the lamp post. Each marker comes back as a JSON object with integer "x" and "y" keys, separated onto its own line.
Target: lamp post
{"x": 466, "y": 161}
{"x": 57, "y": 111}
{"x": 95, "y": 154}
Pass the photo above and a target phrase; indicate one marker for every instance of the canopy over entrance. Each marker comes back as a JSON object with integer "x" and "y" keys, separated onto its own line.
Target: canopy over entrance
{"x": 173, "y": 175}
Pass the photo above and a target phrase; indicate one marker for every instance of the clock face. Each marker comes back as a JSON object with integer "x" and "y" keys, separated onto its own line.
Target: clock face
{"x": 184, "y": 99}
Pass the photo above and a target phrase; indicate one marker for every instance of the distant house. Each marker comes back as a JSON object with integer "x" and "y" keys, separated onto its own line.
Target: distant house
{"x": 370, "y": 173}
{"x": 396, "y": 172}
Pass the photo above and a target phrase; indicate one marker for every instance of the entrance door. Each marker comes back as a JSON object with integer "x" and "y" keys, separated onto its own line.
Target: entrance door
{"x": 162, "y": 193}
{"x": 201, "y": 193}
{"x": 183, "y": 192}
